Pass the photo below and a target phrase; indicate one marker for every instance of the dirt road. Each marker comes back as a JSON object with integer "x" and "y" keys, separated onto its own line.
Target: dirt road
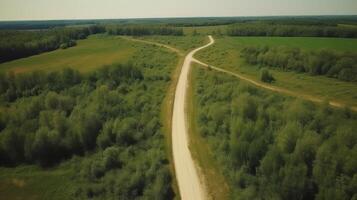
{"x": 189, "y": 182}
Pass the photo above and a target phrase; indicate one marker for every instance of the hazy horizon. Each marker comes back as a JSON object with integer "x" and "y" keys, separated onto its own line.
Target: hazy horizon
{"x": 15, "y": 10}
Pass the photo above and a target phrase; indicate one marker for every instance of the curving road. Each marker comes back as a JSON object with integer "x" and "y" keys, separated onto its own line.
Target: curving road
{"x": 189, "y": 183}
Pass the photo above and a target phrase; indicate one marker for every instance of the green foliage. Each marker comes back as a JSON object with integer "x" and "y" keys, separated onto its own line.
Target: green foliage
{"x": 276, "y": 147}
{"x": 182, "y": 43}
{"x": 19, "y": 44}
{"x": 226, "y": 54}
{"x": 266, "y": 76}
{"x": 324, "y": 62}
{"x": 68, "y": 44}
{"x": 110, "y": 118}
{"x": 289, "y": 30}
{"x": 139, "y": 30}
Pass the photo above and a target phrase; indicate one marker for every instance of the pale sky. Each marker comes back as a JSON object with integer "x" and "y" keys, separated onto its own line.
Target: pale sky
{"x": 106, "y": 9}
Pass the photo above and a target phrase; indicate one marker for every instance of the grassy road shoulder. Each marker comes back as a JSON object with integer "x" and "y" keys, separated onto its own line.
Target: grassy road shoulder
{"x": 216, "y": 184}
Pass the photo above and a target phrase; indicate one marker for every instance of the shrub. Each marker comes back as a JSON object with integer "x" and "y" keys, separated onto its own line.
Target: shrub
{"x": 266, "y": 76}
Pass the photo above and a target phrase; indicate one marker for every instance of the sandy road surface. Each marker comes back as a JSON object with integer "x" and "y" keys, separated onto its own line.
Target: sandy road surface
{"x": 190, "y": 184}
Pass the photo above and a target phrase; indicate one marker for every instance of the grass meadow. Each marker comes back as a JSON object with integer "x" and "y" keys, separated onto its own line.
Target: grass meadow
{"x": 32, "y": 182}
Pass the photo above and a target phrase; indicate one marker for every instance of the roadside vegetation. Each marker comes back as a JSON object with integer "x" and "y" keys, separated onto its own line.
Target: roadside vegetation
{"x": 104, "y": 124}
{"x": 216, "y": 183}
{"x": 305, "y": 152}
{"x": 266, "y": 76}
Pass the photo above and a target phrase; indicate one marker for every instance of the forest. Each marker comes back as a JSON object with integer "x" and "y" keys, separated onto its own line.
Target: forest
{"x": 290, "y": 30}
{"x": 340, "y": 65}
{"x": 306, "y": 152}
{"x": 139, "y": 30}
{"x": 20, "y": 44}
{"x": 108, "y": 119}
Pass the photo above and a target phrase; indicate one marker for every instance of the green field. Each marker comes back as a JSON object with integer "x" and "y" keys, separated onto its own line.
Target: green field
{"x": 33, "y": 182}
{"x": 89, "y": 54}
{"x": 225, "y": 53}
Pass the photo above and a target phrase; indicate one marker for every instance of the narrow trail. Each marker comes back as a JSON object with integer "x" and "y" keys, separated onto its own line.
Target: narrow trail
{"x": 189, "y": 182}
{"x": 156, "y": 44}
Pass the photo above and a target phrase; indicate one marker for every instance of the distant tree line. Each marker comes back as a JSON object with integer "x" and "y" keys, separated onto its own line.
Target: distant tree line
{"x": 19, "y": 44}
{"x": 342, "y": 66}
{"x": 138, "y": 30}
{"x": 283, "y": 30}
{"x": 307, "y": 151}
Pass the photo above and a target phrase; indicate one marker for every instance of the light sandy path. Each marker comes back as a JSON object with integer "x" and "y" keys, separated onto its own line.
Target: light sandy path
{"x": 154, "y": 43}
{"x": 190, "y": 184}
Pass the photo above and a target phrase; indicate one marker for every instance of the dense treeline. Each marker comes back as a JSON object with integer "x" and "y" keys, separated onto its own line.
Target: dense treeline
{"x": 138, "y": 30}
{"x": 110, "y": 115}
{"x": 305, "y": 152}
{"x": 190, "y": 21}
{"x": 342, "y": 66}
{"x": 45, "y": 24}
{"x": 39, "y": 128}
{"x": 284, "y": 30}
{"x": 19, "y": 44}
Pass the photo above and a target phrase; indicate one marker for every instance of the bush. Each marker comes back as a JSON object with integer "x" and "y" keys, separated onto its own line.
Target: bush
{"x": 266, "y": 76}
